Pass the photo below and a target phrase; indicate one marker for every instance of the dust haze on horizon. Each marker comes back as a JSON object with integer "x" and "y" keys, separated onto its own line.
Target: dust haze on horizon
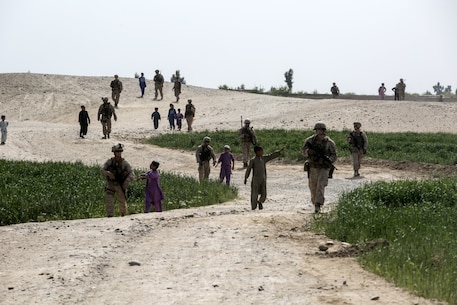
{"x": 357, "y": 44}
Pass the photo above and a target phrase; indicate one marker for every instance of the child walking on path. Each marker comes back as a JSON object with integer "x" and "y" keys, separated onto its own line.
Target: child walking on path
{"x": 155, "y": 117}
{"x": 259, "y": 176}
{"x": 179, "y": 117}
{"x": 153, "y": 193}
{"x": 227, "y": 165}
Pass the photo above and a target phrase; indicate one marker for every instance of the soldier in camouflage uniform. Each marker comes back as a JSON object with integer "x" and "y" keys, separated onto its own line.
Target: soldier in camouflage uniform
{"x": 105, "y": 112}
{"x": 358, "y": 142}
{"x": 204, "y": 154}
{"x": 320, "y": 152}
{"x": 118, "y": 174}
{"x": 116, "y": 88}
{"x": 247, "y": 137}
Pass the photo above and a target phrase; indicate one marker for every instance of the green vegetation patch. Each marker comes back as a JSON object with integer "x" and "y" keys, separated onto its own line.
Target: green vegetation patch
{"x": 32, "y": 191}
{"x": 419, "y": 221}
{"x": 435, "y": 148}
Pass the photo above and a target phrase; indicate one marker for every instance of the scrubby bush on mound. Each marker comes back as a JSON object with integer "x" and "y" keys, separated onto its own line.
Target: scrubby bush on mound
{"x": 32, "y": 191}
{"x": 419, "y": 221}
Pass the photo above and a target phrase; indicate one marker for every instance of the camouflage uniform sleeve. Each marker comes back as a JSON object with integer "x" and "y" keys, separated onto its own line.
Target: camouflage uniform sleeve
{"x": 104, "y": 170}
{"x": 197, "y": 153}
{"x": 131, "y": 174}
{"x": 365, "y": 141}
{"x": 331, "y": 148}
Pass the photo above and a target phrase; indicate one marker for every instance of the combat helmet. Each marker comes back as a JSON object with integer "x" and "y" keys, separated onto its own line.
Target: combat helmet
{"x": 118, "y": 148}
{"x": 247, "y": 121}
{"x": 320, "y": 125}
{"x": 206, "y": 139}
{"x": 105, "y": 99}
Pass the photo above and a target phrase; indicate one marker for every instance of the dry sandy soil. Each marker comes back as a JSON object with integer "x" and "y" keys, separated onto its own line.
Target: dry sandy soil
{"x": 224, "y": 254}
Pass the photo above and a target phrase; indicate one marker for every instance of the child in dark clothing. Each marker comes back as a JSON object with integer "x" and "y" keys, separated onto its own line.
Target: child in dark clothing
{"x": 155, "y": 117}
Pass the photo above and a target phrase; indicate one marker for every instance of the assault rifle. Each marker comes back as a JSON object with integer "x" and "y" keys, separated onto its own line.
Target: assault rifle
{"x": 319, "y": 154}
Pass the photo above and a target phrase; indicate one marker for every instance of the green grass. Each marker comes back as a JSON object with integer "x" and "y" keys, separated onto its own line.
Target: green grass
{"x": 32, "y": 191}
{"x": 417, "y": 218}
{"x": 435, "y": 148}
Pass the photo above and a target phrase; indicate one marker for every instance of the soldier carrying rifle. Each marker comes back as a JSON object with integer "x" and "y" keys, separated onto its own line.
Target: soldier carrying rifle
{"x": 320, "y": 152}
{"x": 118, "y": 174}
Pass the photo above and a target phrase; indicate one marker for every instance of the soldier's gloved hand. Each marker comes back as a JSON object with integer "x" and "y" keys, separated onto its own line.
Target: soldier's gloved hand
{"x": 311, "y": 152}
{"x": 110, "y": 175}
{"x": 214, "y": 163}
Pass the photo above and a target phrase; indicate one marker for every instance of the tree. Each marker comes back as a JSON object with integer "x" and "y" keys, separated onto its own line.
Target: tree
{"x": 289, "y": 75}
{"x": 438, "y": 89}
{"x": 448, "y": 89}
{"x": 177, "y": 75}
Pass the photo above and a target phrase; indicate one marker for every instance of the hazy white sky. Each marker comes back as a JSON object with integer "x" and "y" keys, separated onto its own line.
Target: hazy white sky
{"x": 356, "y": 43}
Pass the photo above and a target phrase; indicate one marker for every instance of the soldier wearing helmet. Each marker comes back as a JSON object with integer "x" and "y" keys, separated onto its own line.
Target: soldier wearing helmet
{"x": 358, "y": 145}
{"x": 247, "y": 137}
{"x": 116, "y": 88}
{"x": 118, "y": 174}
{"x": 158, "y": 83}
{"x": 105, "y": 112}
{"x": 320, "y": 152}
{"x": 204, "y": 154}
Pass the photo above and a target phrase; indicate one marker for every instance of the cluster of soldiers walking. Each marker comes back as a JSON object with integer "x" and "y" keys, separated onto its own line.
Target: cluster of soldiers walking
{"x": 399, "y": 90}
{"x": 107, "y": 111}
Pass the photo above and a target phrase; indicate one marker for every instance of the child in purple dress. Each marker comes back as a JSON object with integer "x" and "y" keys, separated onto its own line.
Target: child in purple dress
{"x": 153, "y": 192}
{"x": 227, "y": 165}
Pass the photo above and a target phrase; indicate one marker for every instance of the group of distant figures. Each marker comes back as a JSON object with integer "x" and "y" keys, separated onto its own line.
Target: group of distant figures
{"x": 106, "y": 111}
{"x": 399, "y": 90}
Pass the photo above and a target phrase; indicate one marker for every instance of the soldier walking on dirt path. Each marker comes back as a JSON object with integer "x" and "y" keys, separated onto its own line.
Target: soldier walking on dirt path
{"x": 105, "y": 112}
{"x": 358, "y": 142}
{"x": 118, "y": 174}
{"x": 158, "y": 85}
{"x": 247, "y": 137}
{"x": 4, "y": 129}
{"x": 189, "y": 114}
{"x": 320, "y": 152}
{"x": 116, "y": 88}
{"x": 204, "y": 154}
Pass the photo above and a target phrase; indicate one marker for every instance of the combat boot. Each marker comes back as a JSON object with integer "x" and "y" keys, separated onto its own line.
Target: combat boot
{"x": 245, "y": 164}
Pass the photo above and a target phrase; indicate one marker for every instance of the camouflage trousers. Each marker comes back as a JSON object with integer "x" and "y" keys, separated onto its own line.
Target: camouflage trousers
{"x": 158, "y": 89}
{"x": 189, "y": 120}
{"x": 357, "y": 155}
{"x": 245, "y": 148}
{"x": 204, "y": 169}
{"x": 115, "y": 95}
{"x": 317, "y": 181}
{"x": 113, "y": 189}
{"x": 106, "y": 126}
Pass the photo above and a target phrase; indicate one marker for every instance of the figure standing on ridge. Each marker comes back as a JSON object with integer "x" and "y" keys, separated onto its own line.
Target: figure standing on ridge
{"x": 116, "y": 88}
{"x": 400, "y": 90}
{"x": 105, "y": 112}
{"x": 247, "y": 137}
{"x": 335, "y": 90}
{"x": 382, "y": 91}
{"x": 158, "y": 85}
